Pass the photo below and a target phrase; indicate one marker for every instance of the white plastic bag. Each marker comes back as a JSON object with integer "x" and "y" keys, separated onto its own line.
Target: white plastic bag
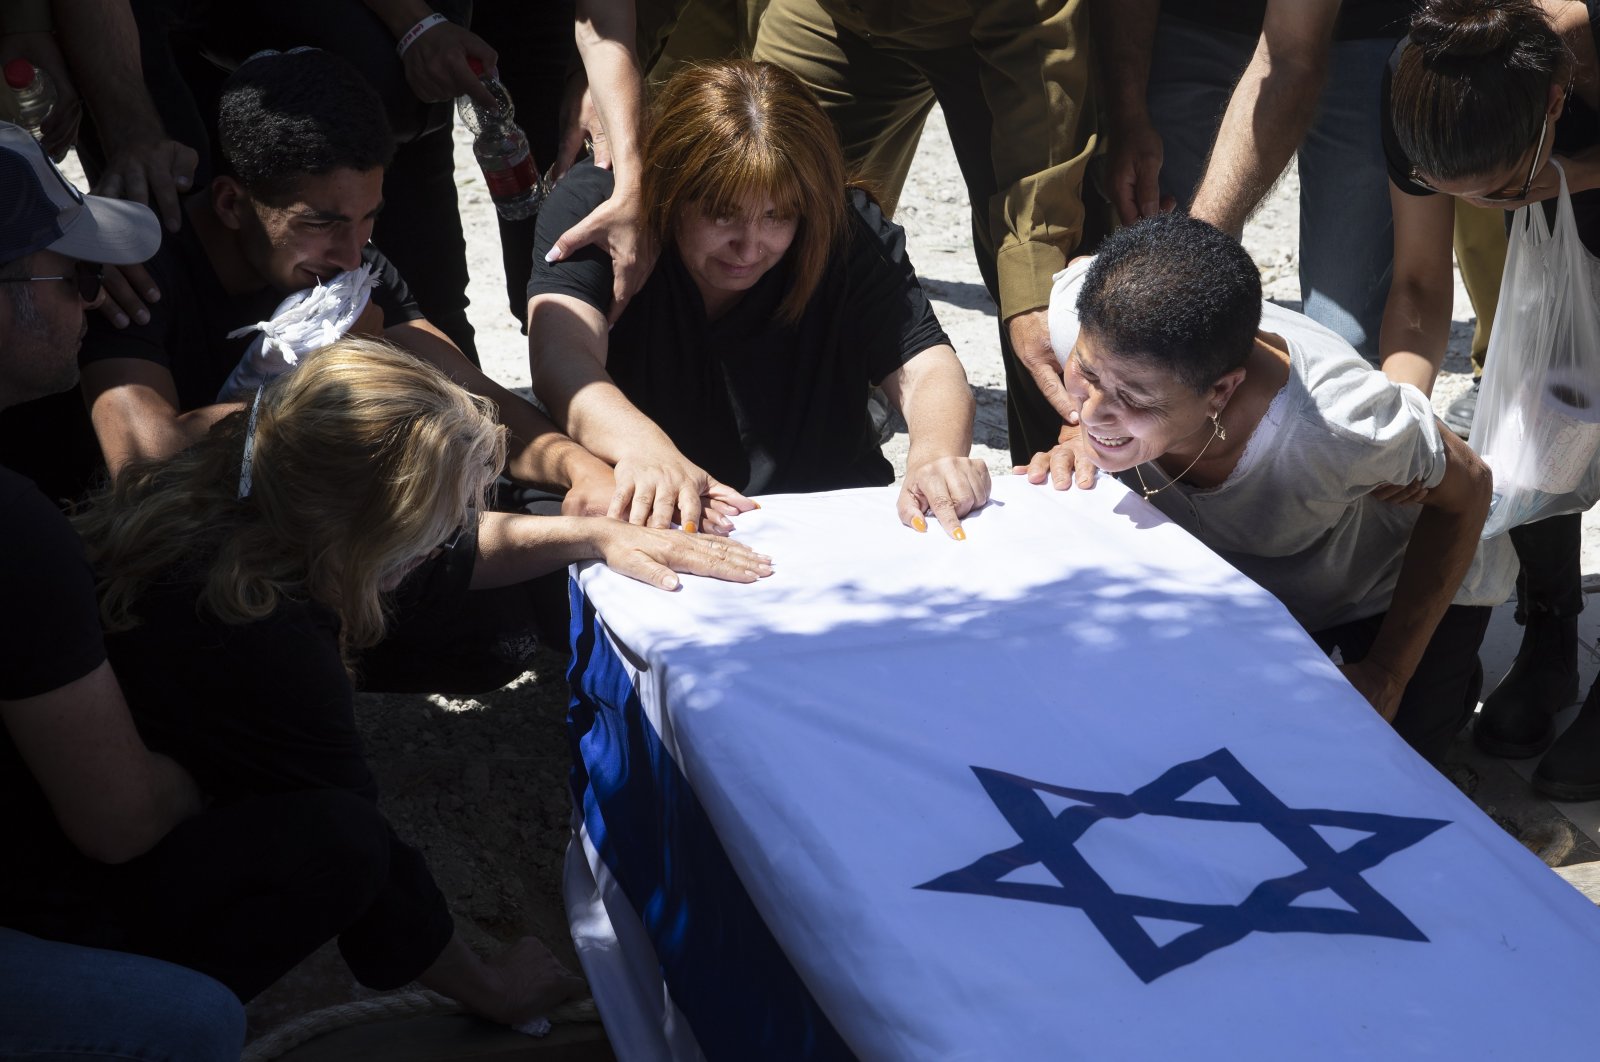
{"x": 1538, "y": 419}
{"x": 305, "y": 321}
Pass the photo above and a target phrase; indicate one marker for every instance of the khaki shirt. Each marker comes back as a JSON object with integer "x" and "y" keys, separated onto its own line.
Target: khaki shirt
{"x": 1034, "y": 69}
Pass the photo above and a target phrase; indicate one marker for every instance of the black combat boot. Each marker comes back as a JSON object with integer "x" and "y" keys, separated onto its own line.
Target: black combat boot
{"x": 1571, "y": 769}
{"x": 1516, "y": 717}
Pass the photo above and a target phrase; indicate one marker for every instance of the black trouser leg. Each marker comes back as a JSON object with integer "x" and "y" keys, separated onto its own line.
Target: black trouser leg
{"x": 1551, "y": 580}
{"x": 1443, "y": 691}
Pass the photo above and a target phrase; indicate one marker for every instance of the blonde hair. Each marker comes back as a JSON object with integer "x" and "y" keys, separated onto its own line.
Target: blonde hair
{"x": 364, "y": 460}
{"x": 727, "y": 132}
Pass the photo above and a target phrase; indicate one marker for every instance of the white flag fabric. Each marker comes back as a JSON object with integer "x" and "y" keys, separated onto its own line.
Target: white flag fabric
{"x": 1071, "y": 788}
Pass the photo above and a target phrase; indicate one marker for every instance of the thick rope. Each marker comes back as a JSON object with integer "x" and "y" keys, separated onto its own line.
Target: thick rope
{"x": 395, "y": 1007}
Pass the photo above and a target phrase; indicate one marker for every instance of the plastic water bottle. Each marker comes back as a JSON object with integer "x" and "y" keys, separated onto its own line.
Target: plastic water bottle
{"x": 501, "y": 148}
{"x": 34, "y": 97}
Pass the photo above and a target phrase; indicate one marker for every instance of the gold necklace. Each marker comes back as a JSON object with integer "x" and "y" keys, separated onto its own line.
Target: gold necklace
{"x": 1217, "y": 432}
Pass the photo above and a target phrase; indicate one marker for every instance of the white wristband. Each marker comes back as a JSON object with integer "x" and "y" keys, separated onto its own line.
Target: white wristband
{"x": 422, "y": 26}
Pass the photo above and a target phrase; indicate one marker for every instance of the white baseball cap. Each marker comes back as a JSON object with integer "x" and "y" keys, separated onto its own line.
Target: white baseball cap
{"x": 39, "y": 208}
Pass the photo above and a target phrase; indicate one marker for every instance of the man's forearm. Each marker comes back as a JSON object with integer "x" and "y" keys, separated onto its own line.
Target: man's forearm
{"x": 1267, "y": 117}
{"x": 1437, "y": 559}
{"x": 1269, "y": 112}
{"x": 158, "y": 438}
{"x": 101, "y": 42}
{"x": 1125, "y": 34}
{"x": 399, "y": 15}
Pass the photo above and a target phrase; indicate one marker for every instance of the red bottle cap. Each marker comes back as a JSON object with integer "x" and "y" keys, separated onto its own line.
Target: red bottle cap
{"x": 472, "y": 61}
{"x": 19, "y": 73}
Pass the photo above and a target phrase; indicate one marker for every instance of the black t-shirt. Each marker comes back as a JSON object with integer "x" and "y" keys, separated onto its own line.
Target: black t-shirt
{"x": 189, "y": 326}
{"x": 1578, "y": 128}
{"x": 249, "y": 708}
{"x": 764, "y": 406}
{"x": 1358, "y": 19}
{"x": 49, "y": 637}
{"x": 255, "y": 709}
{"x": 50, "y": 626}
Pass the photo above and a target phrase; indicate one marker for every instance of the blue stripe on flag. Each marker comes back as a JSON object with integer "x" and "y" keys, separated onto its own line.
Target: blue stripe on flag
{"x": 726, "y": 973}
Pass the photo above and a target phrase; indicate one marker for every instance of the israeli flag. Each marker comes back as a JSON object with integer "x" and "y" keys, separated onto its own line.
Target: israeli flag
{"x": 1071, "y": 788}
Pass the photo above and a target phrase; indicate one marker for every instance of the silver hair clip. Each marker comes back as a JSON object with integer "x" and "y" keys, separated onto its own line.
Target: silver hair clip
{"x": 246, "y": 464}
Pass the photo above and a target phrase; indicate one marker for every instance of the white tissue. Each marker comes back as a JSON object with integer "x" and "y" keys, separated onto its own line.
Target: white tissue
{"x": 306, "y": 321}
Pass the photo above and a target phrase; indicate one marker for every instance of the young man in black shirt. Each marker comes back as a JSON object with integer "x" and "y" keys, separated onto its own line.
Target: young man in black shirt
{"x": 305, "y": 144}
{"x": 75, "y": 776}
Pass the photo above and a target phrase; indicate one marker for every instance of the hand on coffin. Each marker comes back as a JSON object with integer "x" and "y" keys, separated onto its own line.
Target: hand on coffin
{"x": 1070, "y": 462}
{"x": 653, "y": 556}
{"x": 1381, "y": 687}
{"x": 947, "y": 487}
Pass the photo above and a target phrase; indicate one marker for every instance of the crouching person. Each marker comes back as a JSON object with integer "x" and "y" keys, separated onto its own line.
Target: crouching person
{"x": 239, "y": 581}
{"x": 1265, "y": 435}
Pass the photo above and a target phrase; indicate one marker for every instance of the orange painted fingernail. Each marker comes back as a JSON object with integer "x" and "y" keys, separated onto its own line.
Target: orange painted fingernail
{"x": 919, "y": 523}
{"x": 959, "y": 535}
{"x": 689, "y": 526}
{"x": 755, "y": 505}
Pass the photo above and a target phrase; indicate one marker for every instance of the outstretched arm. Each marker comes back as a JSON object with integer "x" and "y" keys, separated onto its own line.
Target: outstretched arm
{"x": 537, "y": 452}
{"x": 1416, "y": 317}
{"x": 615, "y": 90}
{"x": 1125, "y": 33}
{"x": 931, "y": 392}
{"x": 567, "y": 343}
{"x": 1438, "y": 555}
{"x": 513, "y": 548}
{"x": 1270, "y": 110}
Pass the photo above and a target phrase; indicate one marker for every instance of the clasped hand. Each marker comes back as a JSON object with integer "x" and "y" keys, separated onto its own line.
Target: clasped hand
{"x": 654, "y": 491}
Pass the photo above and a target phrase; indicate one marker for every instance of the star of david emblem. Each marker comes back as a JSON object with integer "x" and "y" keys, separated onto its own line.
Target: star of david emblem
{"x": 1051, "y": 840}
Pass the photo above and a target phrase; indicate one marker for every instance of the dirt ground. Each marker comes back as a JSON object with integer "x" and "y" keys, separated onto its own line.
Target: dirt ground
{"x": 480, "y": 785}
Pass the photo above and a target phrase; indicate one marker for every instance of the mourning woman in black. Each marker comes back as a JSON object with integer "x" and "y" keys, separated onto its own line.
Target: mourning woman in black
{"x": 240, "y": 581}
{"x": 743, "y": 365}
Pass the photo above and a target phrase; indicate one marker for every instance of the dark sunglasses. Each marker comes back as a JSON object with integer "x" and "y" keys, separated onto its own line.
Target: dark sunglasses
{"x": 86, "y": 275}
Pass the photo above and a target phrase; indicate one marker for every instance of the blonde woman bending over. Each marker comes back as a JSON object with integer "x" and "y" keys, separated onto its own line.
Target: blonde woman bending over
{"x": 239, "y": 580}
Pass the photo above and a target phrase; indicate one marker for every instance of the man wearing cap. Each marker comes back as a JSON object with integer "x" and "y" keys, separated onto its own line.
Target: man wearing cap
{"x": 75, "y": 777}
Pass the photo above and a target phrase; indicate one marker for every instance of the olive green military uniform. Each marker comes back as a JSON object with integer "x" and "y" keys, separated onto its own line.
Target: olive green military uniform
{"x": 1013, "y": 80}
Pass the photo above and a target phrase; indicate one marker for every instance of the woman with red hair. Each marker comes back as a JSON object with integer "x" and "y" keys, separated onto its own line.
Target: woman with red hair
{"x": 781, "y": 296}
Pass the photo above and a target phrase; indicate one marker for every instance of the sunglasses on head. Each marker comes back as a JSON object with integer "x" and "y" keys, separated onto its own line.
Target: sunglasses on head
{"x": 86, "y": 275}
